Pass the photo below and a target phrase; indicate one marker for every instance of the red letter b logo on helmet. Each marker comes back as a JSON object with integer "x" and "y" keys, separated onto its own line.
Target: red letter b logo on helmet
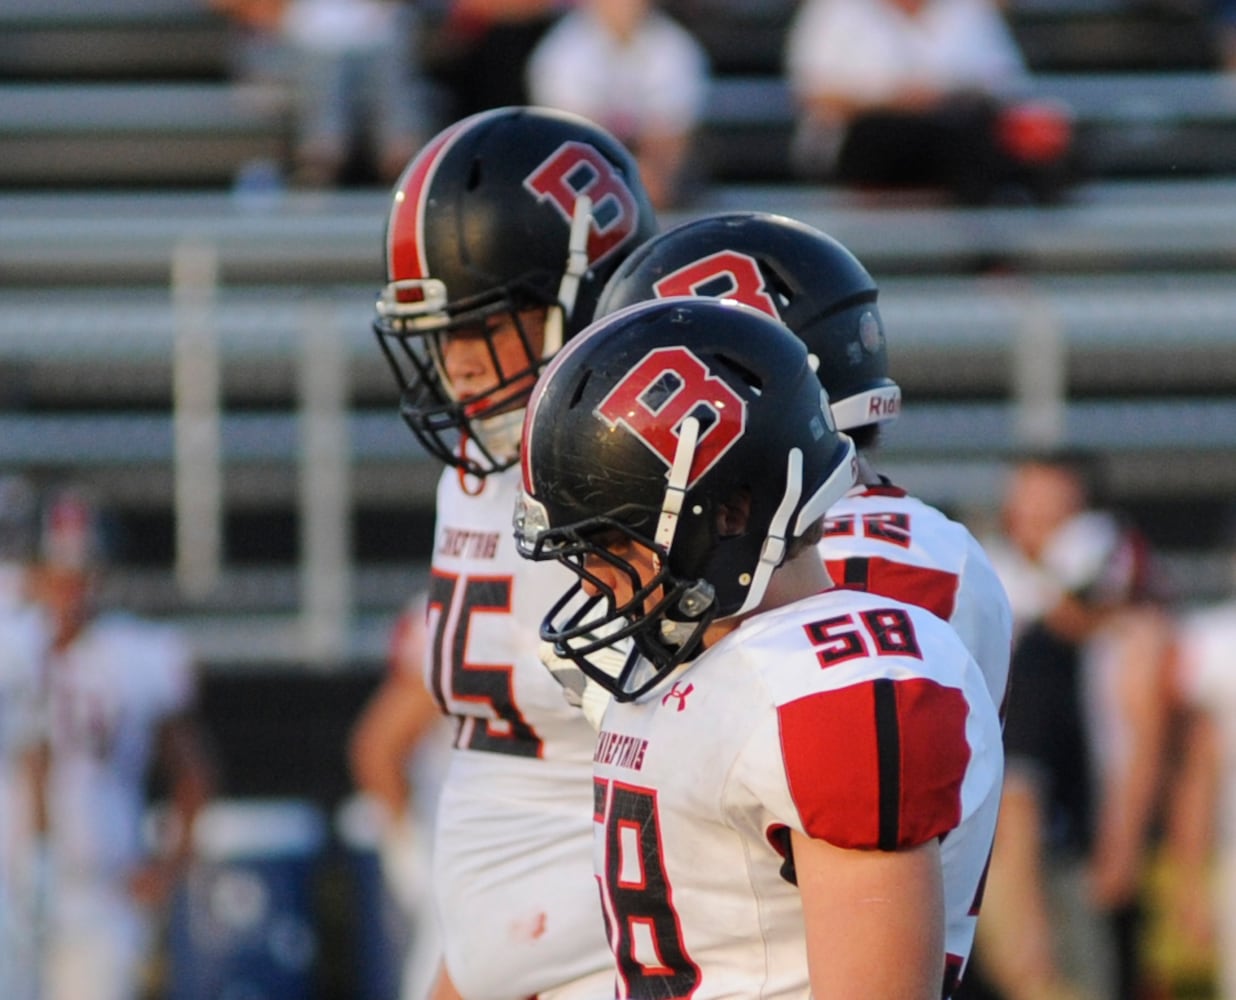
{"x": 576, "y": 169}
{"x": 725, "y": 274}
{"x": 660, "y": 392}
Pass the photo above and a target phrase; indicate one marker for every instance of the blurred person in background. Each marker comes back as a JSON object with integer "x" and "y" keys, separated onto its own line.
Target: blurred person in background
{"x": 352, "y": 72}
{"x": 255, "y": 55}
{"x": 478, "y": 49}
{"x": 1201, "y": 829}
{"x": 1224, "y": 15}
{"x": 357, "y": 80}
{"x": 24, "y": 635}
{"x": 921, "y": 94}
{"x": 397, "y": 754}
{"x": 119, "y": 701}
{"x": 1085, "y": 740}
{"x": 635, "y": 71}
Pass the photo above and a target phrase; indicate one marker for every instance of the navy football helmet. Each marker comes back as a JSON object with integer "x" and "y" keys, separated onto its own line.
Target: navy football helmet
{"x": 790, "y": 271}
{"x": 644, "y": 430}
{"x": 506, "y": 211}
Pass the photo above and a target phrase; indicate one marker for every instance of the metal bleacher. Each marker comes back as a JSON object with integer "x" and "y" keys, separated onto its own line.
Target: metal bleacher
{"x": 98, "y": 93}
{"x": 140, "y": 292}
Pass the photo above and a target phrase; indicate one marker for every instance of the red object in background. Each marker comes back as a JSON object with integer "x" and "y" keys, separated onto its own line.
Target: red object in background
{"x": 1035, "y": 131}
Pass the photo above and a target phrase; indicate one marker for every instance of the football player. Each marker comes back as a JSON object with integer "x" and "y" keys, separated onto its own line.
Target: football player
{"x": 23, "y": 651}
{"x": 877, "y": 537}
{"x": 1086, "y": 737}
{"x": 120, "y": 704}
{"x": 500, "y": 235}
{"x": 796, "y": 785}
{"x": 396, "y": 750}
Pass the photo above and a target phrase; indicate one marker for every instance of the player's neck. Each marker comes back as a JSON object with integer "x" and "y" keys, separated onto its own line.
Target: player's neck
{"x": 867, "y": 475}
{"x": 796, "y": 578}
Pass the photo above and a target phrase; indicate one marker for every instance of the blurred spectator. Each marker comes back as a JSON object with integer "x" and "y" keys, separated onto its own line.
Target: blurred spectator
{"x": 356, "y": 77}
{"x": 119, "y": 698}
{"x": 351, "y": 68}
{"x": 397, "y": 755}
{"x": 257, "y": 54}
{"x": 1084, "y": 736}
{"x": 634, "y": 70}
{"x": 921, "y": 93}
{"x": 23, "y": 644}
{"x": 1225, "y": 24}
{"x": 1201, "y": 832}
{"x": 479, "y": 49}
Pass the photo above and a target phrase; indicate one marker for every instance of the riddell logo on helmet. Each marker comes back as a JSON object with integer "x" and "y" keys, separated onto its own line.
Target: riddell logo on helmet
{"x": 576, "y": 169}
{"x": 882, "y": 407}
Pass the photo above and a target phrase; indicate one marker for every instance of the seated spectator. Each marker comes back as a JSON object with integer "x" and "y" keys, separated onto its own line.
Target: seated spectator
{"x": 355, "y": 80}
{"x": 256, "y": 54}
{"x": 351, "y": 68}
{"x": 478, "y": 49}
{"x": 1225, "y": 24}
{"x": 631, "y": 68}
{"x": 921, "y": 93}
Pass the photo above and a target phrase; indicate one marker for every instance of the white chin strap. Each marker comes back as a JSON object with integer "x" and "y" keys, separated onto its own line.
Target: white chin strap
{"x": 676, "y": 488}
{"x": 500, "y": 434}
{"x": 775, "y": 543}
{"x": 573, "y": 273}
{"x": 844, "y": 476}
{"x": 772, "y": 554}
{"x": 677, "y": 633}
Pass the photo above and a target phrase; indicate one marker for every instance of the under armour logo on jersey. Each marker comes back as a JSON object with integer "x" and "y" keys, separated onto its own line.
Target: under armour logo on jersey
{"x": 661, "y": 391}
{"x": 726, "y": 274}
{"x": 574, "y": 169}
{"x": 680, "y": 693}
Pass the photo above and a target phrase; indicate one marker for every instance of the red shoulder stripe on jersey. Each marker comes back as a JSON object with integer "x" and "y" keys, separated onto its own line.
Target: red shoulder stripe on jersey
{"x": 877, "y": 764}
{"x": 922, "y": 586}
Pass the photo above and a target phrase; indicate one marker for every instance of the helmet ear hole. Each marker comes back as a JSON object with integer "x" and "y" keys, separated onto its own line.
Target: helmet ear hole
{"x": 580, "y": 389}
{"x": 743, "y": 372}
{"x": 734, "y": 514}
{"x": 777, "y": 283}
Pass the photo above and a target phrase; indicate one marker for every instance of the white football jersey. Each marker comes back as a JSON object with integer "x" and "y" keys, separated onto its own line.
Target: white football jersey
{"x": 23, "y": 644}
{"x": 880, "y": 539}
{"x": 513, "y": 846}
{"x": 1207, "y": 647}
{"x": 24, "y": 636}
{"x": 108, "y": 693}
{"x": 848, "y": 717}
